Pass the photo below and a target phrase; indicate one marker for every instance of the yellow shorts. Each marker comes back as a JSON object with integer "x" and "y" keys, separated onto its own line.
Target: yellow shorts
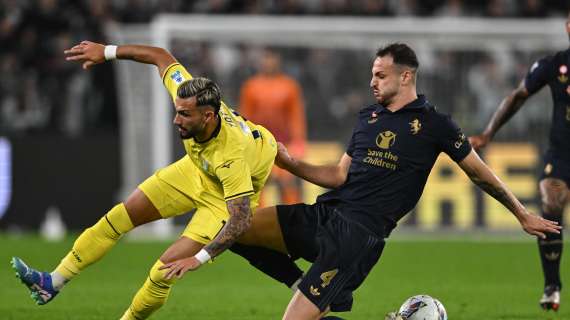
{"x": 181, "y": 187}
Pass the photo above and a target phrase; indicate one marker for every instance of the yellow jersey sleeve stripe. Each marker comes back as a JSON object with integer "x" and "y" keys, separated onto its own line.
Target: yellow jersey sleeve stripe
{"x": 241, "y": 194}
{"x": 168, "y": 69}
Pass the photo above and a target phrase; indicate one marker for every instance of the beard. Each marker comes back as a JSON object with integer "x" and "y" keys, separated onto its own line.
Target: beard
{"x": 186, "y": 134}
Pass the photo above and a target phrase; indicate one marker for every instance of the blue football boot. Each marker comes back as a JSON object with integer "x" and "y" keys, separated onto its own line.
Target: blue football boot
{"x": 39, "y": 283}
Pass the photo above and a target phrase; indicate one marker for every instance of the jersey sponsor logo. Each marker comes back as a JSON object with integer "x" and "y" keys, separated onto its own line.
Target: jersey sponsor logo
{"x": 383, "y": 159}
{"x": 415, "y": 126}
{"x": 386, "y": 139}
{"x": 314, "y": 291}
{"x": 177, "y": 77}
{"x": 227, "y": 164}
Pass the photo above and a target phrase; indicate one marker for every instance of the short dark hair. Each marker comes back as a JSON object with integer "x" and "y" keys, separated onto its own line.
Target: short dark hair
{"x": 401, "y": 53}
{"x": 206, "y": 91}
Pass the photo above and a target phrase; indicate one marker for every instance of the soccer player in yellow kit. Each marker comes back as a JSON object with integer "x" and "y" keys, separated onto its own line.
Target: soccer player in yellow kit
{"x": 227, "y": 163}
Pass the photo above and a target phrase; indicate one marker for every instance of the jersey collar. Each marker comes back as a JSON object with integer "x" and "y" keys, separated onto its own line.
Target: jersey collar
{"x": 420, "y": 103}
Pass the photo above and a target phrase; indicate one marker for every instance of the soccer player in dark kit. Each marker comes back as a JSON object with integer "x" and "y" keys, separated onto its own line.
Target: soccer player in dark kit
{"x": 380, "y": 178}
{"x": 555, "y": 179}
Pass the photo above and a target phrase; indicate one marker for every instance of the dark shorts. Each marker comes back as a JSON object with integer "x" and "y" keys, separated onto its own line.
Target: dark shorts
{"x": 555, "y": 167}
{"x": 342, "y": 252}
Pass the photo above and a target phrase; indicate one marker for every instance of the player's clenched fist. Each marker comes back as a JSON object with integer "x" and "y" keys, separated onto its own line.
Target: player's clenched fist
{"x": 282, "y": 159}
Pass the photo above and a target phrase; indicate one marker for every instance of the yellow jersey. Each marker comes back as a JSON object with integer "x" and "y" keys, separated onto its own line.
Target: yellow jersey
{"x": 231, "y": 159}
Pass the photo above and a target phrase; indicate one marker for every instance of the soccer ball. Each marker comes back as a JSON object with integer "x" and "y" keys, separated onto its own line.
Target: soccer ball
{"x": 422, "y": 307}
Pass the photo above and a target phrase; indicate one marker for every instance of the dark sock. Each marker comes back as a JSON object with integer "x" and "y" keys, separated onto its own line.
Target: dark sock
{"x": 550, "y": 250}
{"x": 277, "y": 265}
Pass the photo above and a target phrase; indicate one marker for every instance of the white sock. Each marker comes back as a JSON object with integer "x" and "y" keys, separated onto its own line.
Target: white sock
{"x": 57, "y": 280}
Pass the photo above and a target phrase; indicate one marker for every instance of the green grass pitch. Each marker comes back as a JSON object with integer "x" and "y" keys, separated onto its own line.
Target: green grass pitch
{"x": 474, "y": 280}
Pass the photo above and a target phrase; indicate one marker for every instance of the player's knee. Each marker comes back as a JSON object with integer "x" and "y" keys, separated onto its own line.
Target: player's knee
{"x": 158, "y": 277}
{"x": 118, "y": 219}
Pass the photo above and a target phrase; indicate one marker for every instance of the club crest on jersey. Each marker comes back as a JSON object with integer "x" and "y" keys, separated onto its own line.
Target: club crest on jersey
{"x": 177, "y": 76}
{"x": 386, "y": 139}
{"x": 415, "y": 126}
{"x": 563, "y": 70}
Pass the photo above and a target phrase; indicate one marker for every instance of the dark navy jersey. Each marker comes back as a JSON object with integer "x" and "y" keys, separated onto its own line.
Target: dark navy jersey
{"x": 392, "y": 156}
{"x": 554, "y": 71}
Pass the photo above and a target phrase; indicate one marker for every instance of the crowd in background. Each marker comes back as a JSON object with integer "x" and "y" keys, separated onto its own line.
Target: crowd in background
{"x": 467, "y": 84}
{"x": 42, "y": 93}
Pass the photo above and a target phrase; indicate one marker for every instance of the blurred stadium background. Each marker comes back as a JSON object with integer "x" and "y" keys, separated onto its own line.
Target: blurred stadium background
{"x": 71, "y": 137}
{"x": 72, "y": 143}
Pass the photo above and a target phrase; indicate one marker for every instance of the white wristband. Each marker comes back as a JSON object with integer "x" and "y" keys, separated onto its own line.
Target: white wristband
{"x": 110, "y": 52}
{"x": 203, "y": 256}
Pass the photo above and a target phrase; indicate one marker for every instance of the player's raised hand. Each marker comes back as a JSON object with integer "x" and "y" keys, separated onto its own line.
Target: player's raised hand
{"x": 90, "y": 53}
{"x": 479, "y": 142}
{"x": 179, "y": 267}
{"x": 538, "y": 226}
{"x": 282, "y": 159}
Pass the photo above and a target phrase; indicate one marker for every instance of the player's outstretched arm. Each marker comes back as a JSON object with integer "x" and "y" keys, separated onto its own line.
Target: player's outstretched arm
{"x": 508, "y": 107}
{"x": 483, "y": 177}
{"x": 327, "y": 176}
{"x": 91, "y": 53}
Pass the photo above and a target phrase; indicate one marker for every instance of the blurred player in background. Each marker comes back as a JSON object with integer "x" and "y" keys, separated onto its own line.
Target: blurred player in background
{"x": 553, "y": 71}
{"x": 227, "y": 163}
{"x": 379, "y": 179}
{"x": 274, "y": 100}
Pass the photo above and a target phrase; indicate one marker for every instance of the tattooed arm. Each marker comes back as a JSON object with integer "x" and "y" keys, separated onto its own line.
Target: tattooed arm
{"x": 508, "y": 107}
{"x": 483, "y": 177}
{"x": 238, "y": 223}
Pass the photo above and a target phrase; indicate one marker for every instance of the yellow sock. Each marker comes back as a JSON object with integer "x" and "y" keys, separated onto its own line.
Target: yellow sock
{"x": 151, "y": 296}
{"x": 95, "y": 242}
